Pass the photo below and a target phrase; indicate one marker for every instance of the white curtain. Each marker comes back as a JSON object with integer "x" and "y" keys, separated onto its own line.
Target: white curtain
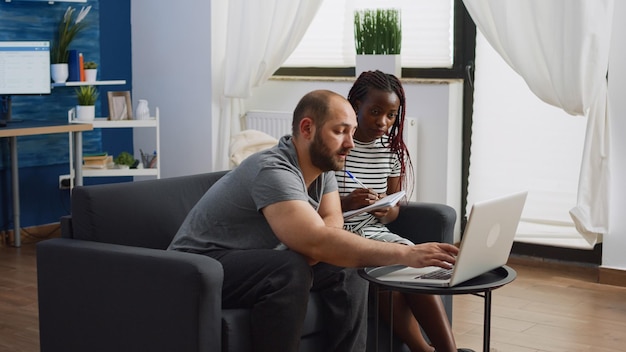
{"x": 561, "y": 50}
{"x": 250, "y": 40}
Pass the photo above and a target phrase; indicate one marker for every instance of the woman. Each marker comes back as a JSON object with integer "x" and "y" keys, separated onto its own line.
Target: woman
{"x": 380, "y": 160}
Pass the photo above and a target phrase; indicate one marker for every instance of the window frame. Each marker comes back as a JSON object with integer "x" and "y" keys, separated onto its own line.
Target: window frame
{"x": 463, "y": 56}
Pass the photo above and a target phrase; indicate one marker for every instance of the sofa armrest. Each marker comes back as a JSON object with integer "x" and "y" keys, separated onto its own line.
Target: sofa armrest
{"x": 425, "y": 222}
{"x": 104, "y": 297}
{"x": 67, "y": 230}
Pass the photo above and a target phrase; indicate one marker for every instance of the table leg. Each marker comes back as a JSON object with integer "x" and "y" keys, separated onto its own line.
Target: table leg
{"x": 487, "y": 322}
{"x": 78, "y": 157}
{"x": 376, "y": 317}
{"x": 15, "y": 184}
{"x": 390, "y": 321}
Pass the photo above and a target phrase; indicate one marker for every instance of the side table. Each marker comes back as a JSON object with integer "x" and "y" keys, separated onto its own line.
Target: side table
{"x": 479, "y": 286}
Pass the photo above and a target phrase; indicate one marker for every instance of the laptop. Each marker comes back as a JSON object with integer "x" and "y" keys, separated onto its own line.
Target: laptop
{"x": 485, "y": 246}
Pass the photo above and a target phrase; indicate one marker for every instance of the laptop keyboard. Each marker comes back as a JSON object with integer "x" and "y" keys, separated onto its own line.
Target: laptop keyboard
{"x": 441, "y": 274}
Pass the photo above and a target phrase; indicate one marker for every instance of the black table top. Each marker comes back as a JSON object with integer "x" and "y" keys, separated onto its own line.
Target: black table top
{"x": 488, "y": 281}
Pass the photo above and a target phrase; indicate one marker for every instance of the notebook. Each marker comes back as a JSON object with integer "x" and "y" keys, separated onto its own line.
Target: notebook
{"x": 486, "y": 245}
{"x": 388, "y": 201}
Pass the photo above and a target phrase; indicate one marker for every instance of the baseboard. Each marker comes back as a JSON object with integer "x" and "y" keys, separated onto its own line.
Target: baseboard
{"x": 32, "y": 234}
{"x": 613, "y": 277}
{"x": 581, "y": 271}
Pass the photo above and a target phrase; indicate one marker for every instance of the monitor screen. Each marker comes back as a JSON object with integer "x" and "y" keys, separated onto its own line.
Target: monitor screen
{"x": 24, "y": 67}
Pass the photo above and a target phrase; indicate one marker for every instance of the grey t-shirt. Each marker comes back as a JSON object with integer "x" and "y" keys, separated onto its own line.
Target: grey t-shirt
{"x": 229, "y": 216}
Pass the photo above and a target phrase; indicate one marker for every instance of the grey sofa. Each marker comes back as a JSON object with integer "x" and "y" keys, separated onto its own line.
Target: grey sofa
{"x": 109, "y": 284}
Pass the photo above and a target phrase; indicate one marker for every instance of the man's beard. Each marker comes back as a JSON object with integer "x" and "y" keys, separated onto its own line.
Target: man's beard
{"x": 322, "y": 157}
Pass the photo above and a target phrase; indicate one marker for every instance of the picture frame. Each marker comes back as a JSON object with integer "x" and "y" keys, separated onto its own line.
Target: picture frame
{"x": 120, "y": 106}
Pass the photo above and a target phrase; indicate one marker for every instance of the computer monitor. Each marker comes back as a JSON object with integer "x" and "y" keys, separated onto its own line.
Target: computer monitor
{"x": 24, "y": 67}
{"x": 24, "y": 70}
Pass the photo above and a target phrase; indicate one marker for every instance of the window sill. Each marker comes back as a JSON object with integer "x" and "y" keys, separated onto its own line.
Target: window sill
{"x": 352, "y": 79}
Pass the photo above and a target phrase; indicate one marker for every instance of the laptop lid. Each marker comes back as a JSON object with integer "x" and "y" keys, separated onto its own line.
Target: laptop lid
{"x": 486, "y": 244}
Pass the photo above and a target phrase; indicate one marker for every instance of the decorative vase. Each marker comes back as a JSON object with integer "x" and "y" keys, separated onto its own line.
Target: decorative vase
{"x": 90, "y": 74}
{"x": 143, "y": 111}
{"x": 386, "y": 63}
{"x": 59, "y": 73}
{"x": 85, "y": 112}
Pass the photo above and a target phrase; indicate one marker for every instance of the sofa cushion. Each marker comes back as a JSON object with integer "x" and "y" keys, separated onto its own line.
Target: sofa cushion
{"x": 141, "y": 214}
{"x": 236, "y": 325}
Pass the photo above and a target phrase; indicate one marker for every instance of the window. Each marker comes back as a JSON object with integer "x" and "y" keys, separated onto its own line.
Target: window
{"x": 427, "y": 34}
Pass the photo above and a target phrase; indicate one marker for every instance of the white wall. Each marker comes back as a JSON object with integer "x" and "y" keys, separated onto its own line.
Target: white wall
{"x": 615, "y": 242}
{"x": 171, "y": 53}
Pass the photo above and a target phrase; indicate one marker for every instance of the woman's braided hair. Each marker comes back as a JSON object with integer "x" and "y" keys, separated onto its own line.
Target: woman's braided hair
{"x": 387, "y": 83}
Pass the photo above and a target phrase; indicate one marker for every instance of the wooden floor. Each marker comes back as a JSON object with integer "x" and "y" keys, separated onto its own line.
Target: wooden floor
{"x": 546, "y": 309}
{"x": 19, "y": 325}
{"x": 542, "y": 310}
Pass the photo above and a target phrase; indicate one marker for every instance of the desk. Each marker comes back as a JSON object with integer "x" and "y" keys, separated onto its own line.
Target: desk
{"x": 29, "y": 128}
{"x": 479, "y": 286}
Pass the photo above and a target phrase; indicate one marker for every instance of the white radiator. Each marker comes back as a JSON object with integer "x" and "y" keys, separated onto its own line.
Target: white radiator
{"x": 410, "y": 139}
{"x": 274, "y": 123}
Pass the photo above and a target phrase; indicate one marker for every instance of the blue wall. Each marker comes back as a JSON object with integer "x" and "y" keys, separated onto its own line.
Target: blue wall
{"x": 43, "y": 158}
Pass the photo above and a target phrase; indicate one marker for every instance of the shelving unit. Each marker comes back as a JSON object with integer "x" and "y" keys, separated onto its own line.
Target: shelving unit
{"x": 103, "y": 122}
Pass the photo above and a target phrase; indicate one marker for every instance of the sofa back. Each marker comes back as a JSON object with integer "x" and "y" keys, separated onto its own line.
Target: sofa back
{"x": 141, "y": 214}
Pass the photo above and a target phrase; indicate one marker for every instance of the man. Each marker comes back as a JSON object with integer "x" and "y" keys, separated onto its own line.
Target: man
{"x": 275, "y": 224}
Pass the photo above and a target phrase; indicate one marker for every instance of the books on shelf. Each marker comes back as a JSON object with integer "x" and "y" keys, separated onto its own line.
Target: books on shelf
{"x": 98, "y": 161}
{"x": 81, "y": 66}
{"x": 73, "y": 65}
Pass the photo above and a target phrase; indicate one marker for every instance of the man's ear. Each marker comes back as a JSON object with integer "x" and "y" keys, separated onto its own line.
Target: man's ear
{"x": 307, "y": 127}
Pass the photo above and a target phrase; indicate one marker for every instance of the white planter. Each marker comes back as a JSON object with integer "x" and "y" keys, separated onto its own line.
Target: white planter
{"x": 85, "y": 112}
{"x": 59, "y": 73}
{"x": 386, "y": 63}
{"x": 90, "y": 74}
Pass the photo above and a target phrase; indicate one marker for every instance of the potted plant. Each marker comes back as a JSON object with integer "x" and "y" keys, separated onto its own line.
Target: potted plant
{"x": 86, "y": 109}
{"x": 124, "y": 160}
{"x": 378, "y": 40}
{"x": 91, "y": 70}
{"x": 66, "y": 32}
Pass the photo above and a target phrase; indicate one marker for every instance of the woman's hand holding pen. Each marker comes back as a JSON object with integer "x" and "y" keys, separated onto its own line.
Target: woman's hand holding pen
{"x": 359, "y": 198}
{"x": 362, "y": 197}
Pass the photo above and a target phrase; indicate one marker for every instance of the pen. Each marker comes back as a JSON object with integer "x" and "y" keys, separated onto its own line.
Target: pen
{"x": 355, "y": 179}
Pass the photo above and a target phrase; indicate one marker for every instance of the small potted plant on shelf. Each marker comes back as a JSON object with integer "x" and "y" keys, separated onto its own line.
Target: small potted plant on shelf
{"x": 91, "y": 71}
{"x": 378, "y": 40}
{"x": 125, "y": 160}
{"x": 86, "y": 109}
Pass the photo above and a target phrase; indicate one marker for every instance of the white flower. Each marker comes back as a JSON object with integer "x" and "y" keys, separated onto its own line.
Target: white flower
{"x": 68, "y": 14}
{"x": 83, "y": 12}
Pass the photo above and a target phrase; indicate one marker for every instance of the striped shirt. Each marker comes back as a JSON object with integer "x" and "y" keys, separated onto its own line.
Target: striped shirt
{"x": 372, "y": 163}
